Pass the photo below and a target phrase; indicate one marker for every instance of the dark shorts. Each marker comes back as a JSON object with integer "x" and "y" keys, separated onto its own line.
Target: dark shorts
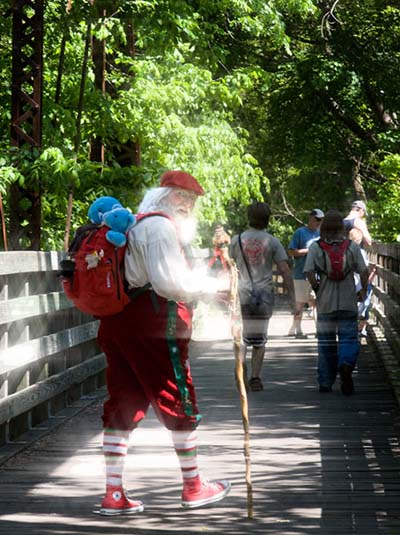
{"x": 255, "y": 328}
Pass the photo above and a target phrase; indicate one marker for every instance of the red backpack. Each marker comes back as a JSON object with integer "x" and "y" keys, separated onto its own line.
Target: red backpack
{"x": 92, "y": 276}
{"x": 335, "y": 259}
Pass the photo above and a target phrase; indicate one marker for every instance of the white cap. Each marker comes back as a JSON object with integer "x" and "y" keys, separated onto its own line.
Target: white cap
{"x": 360, "y": 204}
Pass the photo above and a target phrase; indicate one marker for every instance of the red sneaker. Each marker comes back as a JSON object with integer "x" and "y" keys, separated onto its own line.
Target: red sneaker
{"x": 202, "y": 492}
{"x": 115, "y": 502}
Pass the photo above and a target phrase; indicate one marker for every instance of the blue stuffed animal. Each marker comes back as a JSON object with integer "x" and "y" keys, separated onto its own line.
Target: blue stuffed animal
{"x": 119, "y": 220}
{"x": 100, "y": 206}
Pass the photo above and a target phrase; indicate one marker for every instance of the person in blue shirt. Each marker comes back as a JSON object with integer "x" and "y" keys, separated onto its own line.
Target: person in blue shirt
{"x": 298, "y": 249}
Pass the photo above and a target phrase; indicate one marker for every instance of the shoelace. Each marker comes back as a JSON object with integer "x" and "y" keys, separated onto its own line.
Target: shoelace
{"x": 209, "y": 484}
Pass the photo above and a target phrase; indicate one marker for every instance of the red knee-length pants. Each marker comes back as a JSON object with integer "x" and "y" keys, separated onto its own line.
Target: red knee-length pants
{"x": 146, "y": 346}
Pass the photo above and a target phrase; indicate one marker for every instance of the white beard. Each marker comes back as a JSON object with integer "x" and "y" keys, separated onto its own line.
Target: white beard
{"x": 187, "y": 228}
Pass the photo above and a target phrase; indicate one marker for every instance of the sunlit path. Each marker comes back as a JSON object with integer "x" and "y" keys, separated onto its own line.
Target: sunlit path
{"x": 321, "y": 464}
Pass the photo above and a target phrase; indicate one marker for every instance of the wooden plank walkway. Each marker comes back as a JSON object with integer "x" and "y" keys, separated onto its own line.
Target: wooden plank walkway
{"x": 321, "y": 464}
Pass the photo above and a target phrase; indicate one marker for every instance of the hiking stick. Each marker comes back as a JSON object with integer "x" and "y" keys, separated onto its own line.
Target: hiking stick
{"x": 238, "y": 348}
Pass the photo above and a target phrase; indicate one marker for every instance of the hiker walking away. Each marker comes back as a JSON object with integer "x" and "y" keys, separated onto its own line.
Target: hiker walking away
{"x": 255, "y": 251}
{"x": 298, "y": 249}
{"x": 329, "y": 266}
{"x": 146, "y": 345}
{"x": 356, "y": 219}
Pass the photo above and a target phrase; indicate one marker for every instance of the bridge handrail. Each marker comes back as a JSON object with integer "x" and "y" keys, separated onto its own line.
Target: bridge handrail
{"x": 386, "y": 292}
{"x": 49, "y": 357}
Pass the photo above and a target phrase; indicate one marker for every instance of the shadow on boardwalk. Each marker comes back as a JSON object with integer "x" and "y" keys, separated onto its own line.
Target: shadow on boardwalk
{"x": 321, "y": 464}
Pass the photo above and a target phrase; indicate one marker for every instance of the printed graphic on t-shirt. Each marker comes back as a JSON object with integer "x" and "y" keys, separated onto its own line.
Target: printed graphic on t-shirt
{"x": 254, "y": 251}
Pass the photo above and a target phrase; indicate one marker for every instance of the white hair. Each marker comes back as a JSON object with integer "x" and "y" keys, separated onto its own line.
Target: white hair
{"x": 154, "y": 200}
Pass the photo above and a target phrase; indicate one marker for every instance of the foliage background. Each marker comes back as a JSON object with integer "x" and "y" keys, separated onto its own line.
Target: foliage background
{"x": 292, "y": 102}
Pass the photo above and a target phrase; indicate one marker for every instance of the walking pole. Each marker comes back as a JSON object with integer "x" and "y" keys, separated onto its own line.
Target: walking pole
{"x": 238, "y": 348}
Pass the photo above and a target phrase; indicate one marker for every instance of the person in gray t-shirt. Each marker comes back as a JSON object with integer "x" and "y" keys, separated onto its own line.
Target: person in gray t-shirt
{"x": 255, "y": 251}
{"x": 337, "y": 328}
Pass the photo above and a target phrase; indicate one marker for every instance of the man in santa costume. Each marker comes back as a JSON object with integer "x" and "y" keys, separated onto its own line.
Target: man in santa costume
{"x": 146, "y": 345}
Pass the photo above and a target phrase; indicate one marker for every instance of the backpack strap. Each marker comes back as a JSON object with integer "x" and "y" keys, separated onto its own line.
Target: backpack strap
{"x": 245, "y": 260}
{"x": 319, "y": 241}
{"x": 346, "y": 245}
{"x": 345, "y": 242}
{"x": 135, "y": 292}
{"x": 143, "y": 215}
{"x": 80, "y": 234}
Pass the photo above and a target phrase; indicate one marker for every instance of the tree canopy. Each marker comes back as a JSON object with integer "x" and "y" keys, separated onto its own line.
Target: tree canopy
{"x": 294, "y": 102}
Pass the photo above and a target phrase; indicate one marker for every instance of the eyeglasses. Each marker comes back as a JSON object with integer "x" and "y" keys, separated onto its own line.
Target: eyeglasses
{"x": 318, "y": 218}
{"x": 187, "y": 197}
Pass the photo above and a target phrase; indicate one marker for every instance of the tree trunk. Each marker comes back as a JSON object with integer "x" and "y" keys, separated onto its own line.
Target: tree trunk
{"x": 357, "y": 180}
{"x": 99, "y": 65}
{"x": 60, "y": 69}
{"x": 3, "y": 224}
{"x": 78, "y": 132}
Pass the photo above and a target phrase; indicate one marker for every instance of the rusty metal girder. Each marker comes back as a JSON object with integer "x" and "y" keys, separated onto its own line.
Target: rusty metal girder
{"x": 27, "y": 62}
{"x": 26, "y": 116}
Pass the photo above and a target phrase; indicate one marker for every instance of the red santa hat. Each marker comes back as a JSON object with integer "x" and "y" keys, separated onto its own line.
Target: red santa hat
{"x": 182, "y": 180}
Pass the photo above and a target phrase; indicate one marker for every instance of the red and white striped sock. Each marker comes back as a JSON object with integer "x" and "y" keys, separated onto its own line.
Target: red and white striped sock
{"x": 115, "y": 449}
{"x": 185, "y": 443}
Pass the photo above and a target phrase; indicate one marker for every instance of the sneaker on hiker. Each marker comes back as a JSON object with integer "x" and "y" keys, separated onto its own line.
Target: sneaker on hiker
{"x": 256, "y": 384}
{"x": 116, "y": 502}
{"x": 325, "y": 389}
{"x": 200, "y": 492}
{"x": 300, "y": 335}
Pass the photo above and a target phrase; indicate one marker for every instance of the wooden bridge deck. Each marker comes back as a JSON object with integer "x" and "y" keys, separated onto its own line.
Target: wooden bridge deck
{"x": 321, "y": 464}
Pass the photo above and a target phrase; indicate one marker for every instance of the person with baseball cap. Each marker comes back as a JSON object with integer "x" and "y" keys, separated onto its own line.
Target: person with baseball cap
{"x": 146, "y": 345}
{"x": 356, "y": 219}
{"x": 298, "y": 249}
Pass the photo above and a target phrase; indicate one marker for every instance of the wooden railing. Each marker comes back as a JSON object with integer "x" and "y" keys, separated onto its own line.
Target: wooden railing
{"x": 48, "y": 352}
{"x": 386, "y": 297}
{"x": 384, "y": 326}
{"x": 49, "y": 357}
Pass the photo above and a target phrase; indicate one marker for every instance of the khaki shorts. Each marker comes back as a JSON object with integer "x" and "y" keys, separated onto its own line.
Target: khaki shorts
{"x": 303, "y": 291}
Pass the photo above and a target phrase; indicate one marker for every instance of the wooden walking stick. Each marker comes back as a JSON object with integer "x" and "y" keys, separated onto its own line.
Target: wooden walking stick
{"x": 223, "y": 240}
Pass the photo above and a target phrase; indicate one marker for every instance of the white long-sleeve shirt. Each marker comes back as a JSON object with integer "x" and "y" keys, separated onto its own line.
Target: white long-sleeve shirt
{"x": 154, "y": 255}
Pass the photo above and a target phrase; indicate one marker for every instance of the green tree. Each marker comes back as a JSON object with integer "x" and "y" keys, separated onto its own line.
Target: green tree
{"x": 325, "y": 112}
{"x": 295, "y": 102}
